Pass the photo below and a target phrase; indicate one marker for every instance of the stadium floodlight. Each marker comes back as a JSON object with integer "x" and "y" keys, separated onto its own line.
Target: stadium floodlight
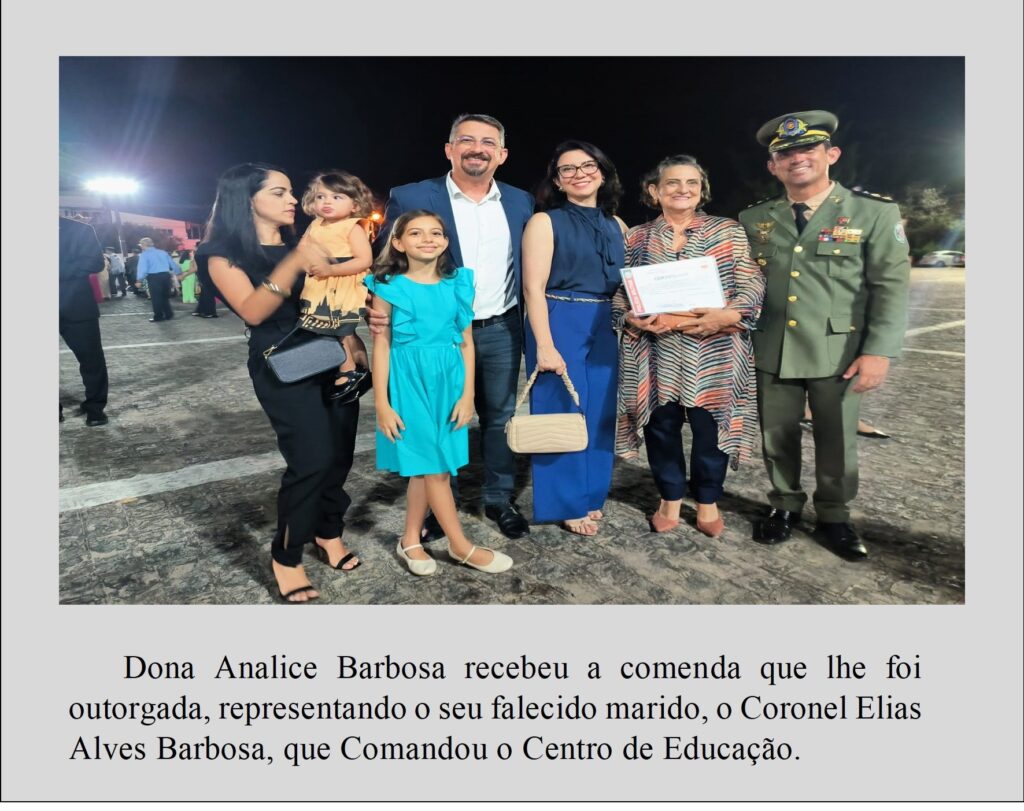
{"x": 107, "y": 187}
{"x": 112, "y": 185}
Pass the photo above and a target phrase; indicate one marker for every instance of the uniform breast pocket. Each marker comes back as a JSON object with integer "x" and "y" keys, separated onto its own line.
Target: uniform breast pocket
{"x": 762, "y": 254}
{"x": 844, "y": 258}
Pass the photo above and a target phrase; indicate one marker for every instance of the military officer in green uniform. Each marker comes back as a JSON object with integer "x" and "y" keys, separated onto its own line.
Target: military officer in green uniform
{"x": 835, "y": 310}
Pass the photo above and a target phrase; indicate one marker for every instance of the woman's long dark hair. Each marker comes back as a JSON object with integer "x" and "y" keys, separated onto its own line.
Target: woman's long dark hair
{"x": 608, "y": 195}
{"x": 231, "y": 227}
{"x": 393, "y": 263}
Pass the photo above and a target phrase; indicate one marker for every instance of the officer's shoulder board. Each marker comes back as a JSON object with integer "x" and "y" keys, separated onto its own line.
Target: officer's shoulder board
{"x": 872, "y": 196}
{"x": 762, "y": 200}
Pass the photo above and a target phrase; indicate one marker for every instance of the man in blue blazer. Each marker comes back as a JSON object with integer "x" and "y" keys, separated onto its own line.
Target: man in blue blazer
{"x": 485, "y": 221}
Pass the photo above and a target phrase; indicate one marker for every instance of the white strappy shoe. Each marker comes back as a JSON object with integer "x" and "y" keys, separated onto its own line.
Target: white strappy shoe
{"x": 421, "y": 568}
{"x": 499, "y": 563}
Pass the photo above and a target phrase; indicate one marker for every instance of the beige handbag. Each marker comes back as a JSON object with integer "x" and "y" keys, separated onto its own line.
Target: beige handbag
{"x": 547, "y": 433}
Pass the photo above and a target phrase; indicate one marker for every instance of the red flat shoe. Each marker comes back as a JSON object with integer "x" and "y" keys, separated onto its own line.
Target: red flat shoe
{"x": 660, "y": 523}
{"x": 712, "y": 528}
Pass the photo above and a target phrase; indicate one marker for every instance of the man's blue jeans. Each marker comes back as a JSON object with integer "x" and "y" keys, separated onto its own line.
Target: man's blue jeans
{"x": 499, "y": 352}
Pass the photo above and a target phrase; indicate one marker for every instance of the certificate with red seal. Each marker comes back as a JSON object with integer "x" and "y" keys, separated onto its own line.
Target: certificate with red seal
{"x": 673, "y": 287}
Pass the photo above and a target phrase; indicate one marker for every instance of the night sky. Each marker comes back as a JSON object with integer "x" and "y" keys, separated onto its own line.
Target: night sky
{"x": 177, "y": 123}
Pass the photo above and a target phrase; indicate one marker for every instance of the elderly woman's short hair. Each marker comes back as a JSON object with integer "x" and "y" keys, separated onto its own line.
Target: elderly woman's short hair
{"x": 653, "y": 176}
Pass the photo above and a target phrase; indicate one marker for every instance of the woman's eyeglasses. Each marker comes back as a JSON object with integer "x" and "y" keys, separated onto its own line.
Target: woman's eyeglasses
{"x": 569, "y": 170}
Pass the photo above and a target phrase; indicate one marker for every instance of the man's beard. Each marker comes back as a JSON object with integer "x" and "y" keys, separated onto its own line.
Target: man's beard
{"x": 476, "y": 171}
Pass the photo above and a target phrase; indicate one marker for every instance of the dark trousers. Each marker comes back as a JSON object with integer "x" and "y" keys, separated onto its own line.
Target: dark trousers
{"x": 569, "y": 485}
{"x": 207, "y": 301}
{"x": 83, "y": 339}
{"x": 129, "y": 276}
{"x": 317, "y": 441}
{"x": 663, "y": 436}
{"x": 117, "y": 284}
{"x": 160, "y": 293}
{"x": 835, "y": 407}
{"x": 498, "y": 347}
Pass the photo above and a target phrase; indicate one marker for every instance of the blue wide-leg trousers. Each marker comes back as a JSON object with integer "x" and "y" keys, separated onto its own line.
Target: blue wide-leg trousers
{"x": 569, "y": 485}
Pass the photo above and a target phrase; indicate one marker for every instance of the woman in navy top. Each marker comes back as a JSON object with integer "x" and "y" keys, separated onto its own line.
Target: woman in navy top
{"x": 572, "y": 253}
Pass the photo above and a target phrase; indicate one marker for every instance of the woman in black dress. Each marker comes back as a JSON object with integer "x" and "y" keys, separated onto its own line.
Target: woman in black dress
{"x": 248, "y": 260}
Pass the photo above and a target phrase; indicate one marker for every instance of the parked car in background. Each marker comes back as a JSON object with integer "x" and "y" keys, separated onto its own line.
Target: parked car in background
{"x": 943, "y": 259}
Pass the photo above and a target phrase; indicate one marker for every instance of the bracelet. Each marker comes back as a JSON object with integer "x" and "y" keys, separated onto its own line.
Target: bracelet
{"x": 275, "y": 289}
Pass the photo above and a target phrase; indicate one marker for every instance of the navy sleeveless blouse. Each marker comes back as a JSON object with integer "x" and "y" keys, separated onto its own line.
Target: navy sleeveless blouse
{"x": 589, "y": 250}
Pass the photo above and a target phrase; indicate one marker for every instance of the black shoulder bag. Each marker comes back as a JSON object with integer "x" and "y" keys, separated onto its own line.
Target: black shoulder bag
{"x": 305, "y": 359}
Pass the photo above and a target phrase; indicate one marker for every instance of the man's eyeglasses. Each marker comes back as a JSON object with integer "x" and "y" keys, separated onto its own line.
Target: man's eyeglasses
{"x": 569, "y": 170}
{"x": 467, "y": 140}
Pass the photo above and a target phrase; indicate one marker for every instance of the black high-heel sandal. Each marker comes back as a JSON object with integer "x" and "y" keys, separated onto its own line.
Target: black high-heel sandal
{"x": 321, "y": 553}
{"x": 286, "y": 597}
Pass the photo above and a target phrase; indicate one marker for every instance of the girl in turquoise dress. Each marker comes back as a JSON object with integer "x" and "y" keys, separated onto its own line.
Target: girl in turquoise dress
{"x": 423, "y": 383}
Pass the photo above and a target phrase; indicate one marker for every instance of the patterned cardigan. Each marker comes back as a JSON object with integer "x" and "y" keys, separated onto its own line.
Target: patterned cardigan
{"x": 715, "y": 373}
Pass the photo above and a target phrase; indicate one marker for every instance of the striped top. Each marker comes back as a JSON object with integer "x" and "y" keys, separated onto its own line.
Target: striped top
{"x": 715, "y": 373}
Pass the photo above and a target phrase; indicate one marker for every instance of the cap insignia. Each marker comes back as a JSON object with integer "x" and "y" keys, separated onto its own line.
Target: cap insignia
{"x": 791, "y": 128}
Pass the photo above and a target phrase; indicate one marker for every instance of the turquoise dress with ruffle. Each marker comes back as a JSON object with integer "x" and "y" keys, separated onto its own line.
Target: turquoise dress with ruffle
{"x": 426, "y": 373}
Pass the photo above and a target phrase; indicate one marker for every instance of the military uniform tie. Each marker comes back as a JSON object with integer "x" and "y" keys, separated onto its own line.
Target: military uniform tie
{"x": 800, "y": 210}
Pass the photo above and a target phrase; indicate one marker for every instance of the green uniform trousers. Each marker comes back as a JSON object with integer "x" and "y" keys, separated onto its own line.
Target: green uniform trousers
{"x": 835, "y": 408}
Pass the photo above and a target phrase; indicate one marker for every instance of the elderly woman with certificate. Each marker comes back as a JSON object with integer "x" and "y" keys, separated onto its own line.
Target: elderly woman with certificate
{"x": 695, "y": 365}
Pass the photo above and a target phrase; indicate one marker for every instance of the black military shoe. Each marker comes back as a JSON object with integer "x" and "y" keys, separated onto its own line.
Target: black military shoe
{"x": 776, "y": 527}
{"x": 96, "y": 419}
{"x": 510, "y": 521}
{"x": 840, "y": 538}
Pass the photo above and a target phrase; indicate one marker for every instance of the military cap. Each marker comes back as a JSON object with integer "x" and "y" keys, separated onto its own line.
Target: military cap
{"x": 797, "y": 129}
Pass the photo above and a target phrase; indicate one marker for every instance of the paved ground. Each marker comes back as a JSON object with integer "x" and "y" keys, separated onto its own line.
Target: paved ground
{"x": 173, "y": 501}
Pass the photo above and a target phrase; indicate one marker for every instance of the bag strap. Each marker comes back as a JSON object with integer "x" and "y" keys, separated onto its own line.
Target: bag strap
{"x": 565, "y": 379}
{"x": 270, "y": 350}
